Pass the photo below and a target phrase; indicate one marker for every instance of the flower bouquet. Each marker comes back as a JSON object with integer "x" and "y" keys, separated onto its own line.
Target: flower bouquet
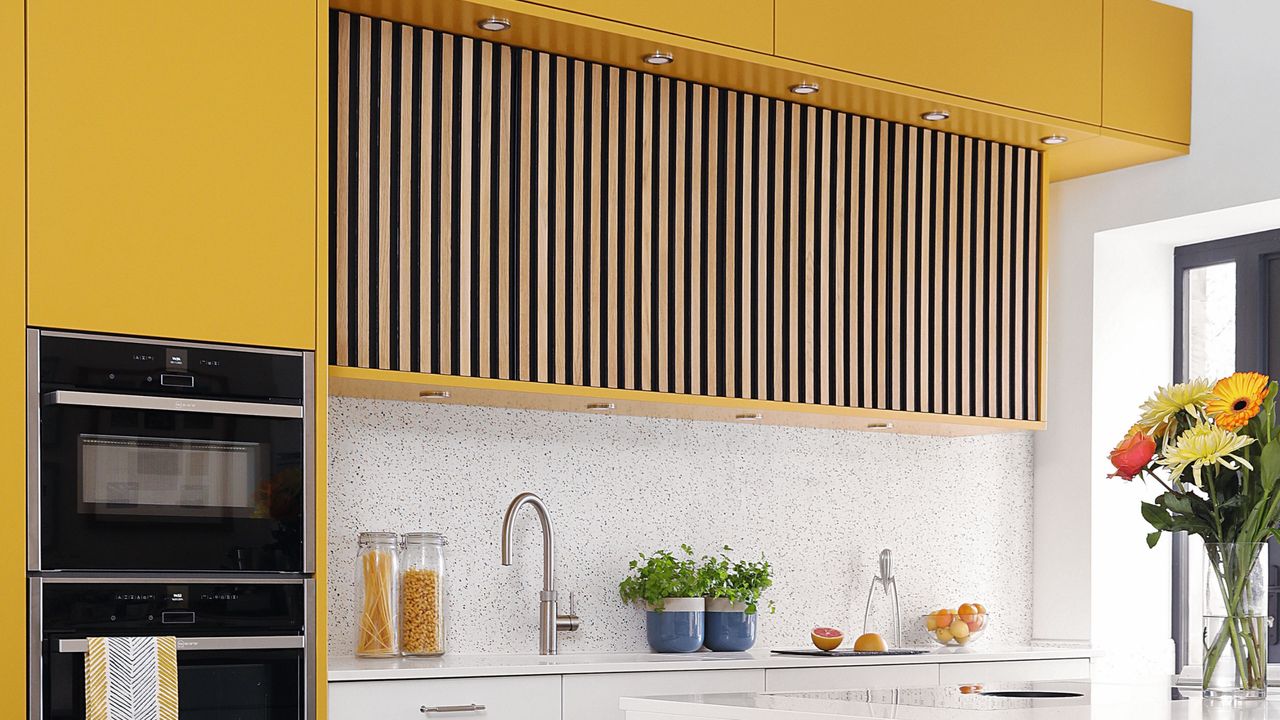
{"x": 1213, "y": 448}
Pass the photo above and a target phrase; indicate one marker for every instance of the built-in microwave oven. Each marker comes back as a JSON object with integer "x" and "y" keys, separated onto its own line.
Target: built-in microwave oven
{"x": 164, "y": 456}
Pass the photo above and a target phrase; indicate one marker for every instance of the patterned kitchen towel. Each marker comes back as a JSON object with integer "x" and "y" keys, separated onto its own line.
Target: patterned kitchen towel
{"x": 131, "y": 678}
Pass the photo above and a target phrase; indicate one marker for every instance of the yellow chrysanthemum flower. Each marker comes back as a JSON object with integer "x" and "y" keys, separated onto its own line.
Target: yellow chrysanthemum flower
{"x": 1237, "y": 399}
{"x": 1160, "y": 409}
{"x": 1204, "y": 444}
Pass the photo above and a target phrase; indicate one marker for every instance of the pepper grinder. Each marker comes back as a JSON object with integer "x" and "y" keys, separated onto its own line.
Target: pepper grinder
{"x": 885, "y": 580}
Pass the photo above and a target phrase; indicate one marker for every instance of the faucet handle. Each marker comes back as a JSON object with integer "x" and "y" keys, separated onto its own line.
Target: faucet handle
{"x": 570, "y": 621}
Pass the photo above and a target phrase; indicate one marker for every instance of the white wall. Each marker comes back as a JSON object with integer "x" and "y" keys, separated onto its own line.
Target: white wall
{"x": 821, "y": 504}
{"x": 1110, "y": 324}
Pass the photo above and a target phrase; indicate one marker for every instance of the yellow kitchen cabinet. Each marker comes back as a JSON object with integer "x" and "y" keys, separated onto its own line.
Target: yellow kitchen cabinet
{"x": 1146, "y": 69}
{"x": 740, "y": 23}
{"x": 13, "y": 561}
{"x": 1041, "y": 57}
{"x": 172, "y": 154}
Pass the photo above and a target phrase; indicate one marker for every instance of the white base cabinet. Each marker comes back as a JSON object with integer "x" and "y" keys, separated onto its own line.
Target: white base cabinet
{"x": 595, "y": 697}
{"x": 530, "y": 697}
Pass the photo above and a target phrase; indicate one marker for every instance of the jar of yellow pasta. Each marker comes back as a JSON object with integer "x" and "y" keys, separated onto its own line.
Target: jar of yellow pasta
{"x": 377, "y": 593}
{"x": 422, "y": 606}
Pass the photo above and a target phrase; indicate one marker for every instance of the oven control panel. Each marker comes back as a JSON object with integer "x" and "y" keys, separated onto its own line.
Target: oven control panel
{"x": 174, "y": 607}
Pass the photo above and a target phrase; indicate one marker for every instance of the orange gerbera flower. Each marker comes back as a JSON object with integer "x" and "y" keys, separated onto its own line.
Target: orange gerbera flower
{"x": 1237, "y": 398}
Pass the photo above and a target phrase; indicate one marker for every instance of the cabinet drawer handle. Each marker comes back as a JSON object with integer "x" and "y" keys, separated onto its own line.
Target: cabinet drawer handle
{"x": 453, "y": 708}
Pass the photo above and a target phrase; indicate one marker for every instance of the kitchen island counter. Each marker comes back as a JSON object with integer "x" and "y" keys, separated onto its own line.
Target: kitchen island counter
{"x": 1078, "y": 700}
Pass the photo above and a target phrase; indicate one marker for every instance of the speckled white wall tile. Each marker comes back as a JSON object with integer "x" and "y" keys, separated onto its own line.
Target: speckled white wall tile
{"x": 821, "y": 504}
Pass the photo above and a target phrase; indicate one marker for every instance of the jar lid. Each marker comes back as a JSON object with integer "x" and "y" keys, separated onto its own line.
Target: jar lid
{"x": 426, "y": 537}
{"x": 377, "y": 537}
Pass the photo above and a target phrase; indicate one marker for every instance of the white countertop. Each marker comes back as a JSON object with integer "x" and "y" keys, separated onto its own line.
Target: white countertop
{"x": 348, "y": 668}
{"x": 1100, "y": 701}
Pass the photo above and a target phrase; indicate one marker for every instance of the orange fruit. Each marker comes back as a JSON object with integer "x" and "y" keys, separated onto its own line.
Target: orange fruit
{"x": 981, "y": 609}
{"x": 968, "y": 612}
{"x": 870, "y": 642}
{"x": 943, "y": 618}
{"x": 825, "y": 638}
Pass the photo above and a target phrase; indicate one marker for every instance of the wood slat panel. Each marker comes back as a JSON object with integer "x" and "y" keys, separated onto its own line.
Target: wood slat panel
{"x": 509, "y": 214}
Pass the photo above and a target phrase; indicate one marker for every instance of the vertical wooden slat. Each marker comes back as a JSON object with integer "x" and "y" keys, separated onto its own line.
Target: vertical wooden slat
{"x": 681, "y": 238}
{"x": 342, "y": 166}
{"x": 580, "y": 197}
{"x": 761, "y": 230}
{"x": 646, "y": 231}
{"x": 426, "y": 206}
{"x": 884, "y": 244}
{"x": 404, "y": 267}
{"x": 747, "y": 170}
{"x": 365, "y": 141}
{"x": 1035, "y": 279}
{"x": 777, "y": 382}
{"x": 940, "y": 345}
{"x": 793, "y": 256}
{"x": 870, "y": 272}
{"x": 843, "y": 196}
{"x": 482, "y": 363}
{"x": 595, "y": 298}
{"x": 382, "y": 298}
{"x": 728, "y": 365}
{"x": 625, "y": 277}
{"x": 540, "y": 269}
{"x": 610, "y": 244}
{"x": 826, "y": 175}
{"x": 1007, "y": 381}
{"x": 466, "y": 101}
{"x": 808, "y": 328}
{"x": 664, "y": 239}
{"x": 559, "y": 308}
{"x": 1019, "y": 282}
{"x": 968, "y": 206}
{"x": 711, "y": 264}
{"x": 909, "y": 318}
{"x": 502, "y": 276}
{"x": 927, "y": 279}
{"x": 528, "y": 225}
{"x": 695, "y": 260}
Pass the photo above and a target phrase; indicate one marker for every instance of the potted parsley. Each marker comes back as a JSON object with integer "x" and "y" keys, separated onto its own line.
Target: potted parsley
{"x": 670, "y": 587}
{"x": 734, "y": 589}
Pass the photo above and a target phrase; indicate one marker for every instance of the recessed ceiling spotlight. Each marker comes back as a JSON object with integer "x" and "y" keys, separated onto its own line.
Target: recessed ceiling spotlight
{"x": 880, "y": 426}
{"x": 935, "y": 115}
{"x": 805, "y": 88}
{"x": 434, "y": 395}
{"x": 1053, "y": 139}
{"x": 494, "y": 24}
{"x": 748, "y": 416}
{"x": 600, "y": 406}
{"x": 659, "y": 58}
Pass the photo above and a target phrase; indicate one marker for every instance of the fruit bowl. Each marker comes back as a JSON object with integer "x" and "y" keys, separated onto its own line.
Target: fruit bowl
{"x": 956, "y": 627}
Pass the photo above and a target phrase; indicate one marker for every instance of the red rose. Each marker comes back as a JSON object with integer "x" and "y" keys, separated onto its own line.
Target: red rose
{"x": 1132, "y": 454}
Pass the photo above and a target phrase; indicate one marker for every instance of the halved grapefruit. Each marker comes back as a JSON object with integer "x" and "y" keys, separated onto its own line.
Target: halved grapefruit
{"x": 825, "y": 638}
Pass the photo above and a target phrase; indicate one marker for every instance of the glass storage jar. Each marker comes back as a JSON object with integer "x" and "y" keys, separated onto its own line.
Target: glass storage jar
{"x": 377, "y": 580}
{"x": 422, "y": 610}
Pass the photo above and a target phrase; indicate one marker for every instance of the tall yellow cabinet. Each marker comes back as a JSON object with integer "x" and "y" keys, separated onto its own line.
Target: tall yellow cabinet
{"x": 172, "y": 168}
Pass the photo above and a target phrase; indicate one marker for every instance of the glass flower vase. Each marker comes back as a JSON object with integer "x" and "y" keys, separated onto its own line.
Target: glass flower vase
{"x": 1235, "y": 621}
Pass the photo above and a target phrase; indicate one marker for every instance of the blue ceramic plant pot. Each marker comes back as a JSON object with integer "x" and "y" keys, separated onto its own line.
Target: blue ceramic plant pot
{"x": 679, "y": 627}
{"x": 729, "y": 627}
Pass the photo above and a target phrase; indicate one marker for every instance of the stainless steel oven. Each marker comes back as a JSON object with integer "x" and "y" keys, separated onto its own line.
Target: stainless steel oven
{"x": 242, "y": 644}
{"x": 161, "y": 456}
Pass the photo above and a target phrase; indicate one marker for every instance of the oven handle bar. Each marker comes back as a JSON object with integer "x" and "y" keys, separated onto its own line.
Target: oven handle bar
{"x": 255, "y": 642}
{"x": 150, "y": 402}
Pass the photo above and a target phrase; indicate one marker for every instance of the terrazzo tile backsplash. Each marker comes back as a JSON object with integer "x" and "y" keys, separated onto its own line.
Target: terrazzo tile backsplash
{"x": 820, "y": 504}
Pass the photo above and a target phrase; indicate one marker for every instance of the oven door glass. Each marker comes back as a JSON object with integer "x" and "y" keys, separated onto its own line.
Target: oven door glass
{"x": 212, "y": 685}
{"x": 125, "y": 489}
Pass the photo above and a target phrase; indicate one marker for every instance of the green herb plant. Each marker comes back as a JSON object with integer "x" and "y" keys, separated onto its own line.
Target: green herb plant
{"x": 738, "y": 581}
{"x": 653, "y": 578}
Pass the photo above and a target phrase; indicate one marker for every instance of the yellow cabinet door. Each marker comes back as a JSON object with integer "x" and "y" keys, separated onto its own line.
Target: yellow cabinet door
{"x": 1037, "y": 56}
{"x": 171, "y": 169}
{"x": 740, "y": 23}
{"x": 1146, "y": 69}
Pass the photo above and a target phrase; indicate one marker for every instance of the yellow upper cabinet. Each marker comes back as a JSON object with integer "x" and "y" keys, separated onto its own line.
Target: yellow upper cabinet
{"x": 1042, "y": 57}
{"x": 1146, "y": 69}
{"x": 172, "y": 169}
{"x": 745, "y": 24}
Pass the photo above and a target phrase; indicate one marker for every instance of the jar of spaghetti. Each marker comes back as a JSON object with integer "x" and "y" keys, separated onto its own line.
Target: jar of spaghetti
{"x": 377, "y": 593}
{"x": 422, "y": 607}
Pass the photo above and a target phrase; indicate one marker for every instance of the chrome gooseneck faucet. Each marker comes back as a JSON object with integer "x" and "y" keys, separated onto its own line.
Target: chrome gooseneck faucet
{"x": 550, "y": 621}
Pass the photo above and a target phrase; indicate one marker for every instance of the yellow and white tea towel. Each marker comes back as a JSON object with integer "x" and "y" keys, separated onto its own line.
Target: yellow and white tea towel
{"x": 131, "y": 678}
